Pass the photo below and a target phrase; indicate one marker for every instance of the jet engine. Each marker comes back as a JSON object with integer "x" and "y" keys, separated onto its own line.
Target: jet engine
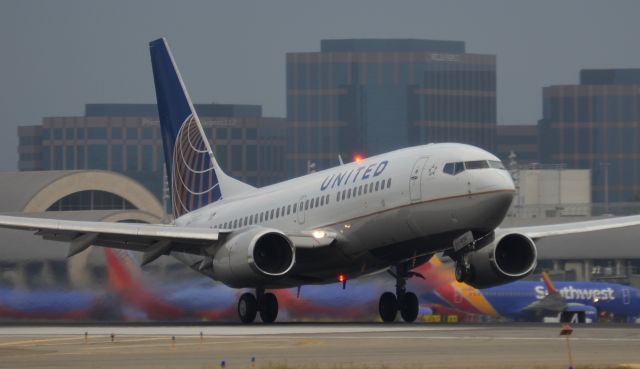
{"x": 509, "y": 257}
{"x": 252, "y": 257}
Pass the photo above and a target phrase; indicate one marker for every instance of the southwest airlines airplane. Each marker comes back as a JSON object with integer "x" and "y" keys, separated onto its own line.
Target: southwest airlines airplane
{"x": 572, "y": 301}
{"x": 389, "y": 212}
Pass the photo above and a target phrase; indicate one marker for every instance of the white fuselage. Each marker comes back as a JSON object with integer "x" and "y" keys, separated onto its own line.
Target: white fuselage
{"x": 384, "y": 209}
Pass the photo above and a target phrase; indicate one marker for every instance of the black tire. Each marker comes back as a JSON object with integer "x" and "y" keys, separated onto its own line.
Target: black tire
{"x": 247, "y": 308}
{"x": 268, "y": 308}
{"x": 388, "y": 307}
{"x": 462, "y": 273}
{"x": 409, "y": 307}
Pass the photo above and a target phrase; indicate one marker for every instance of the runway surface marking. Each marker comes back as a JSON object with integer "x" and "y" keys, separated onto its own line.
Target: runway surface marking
{"x": 216, "y": 331}
{"x": 40, "y": 341}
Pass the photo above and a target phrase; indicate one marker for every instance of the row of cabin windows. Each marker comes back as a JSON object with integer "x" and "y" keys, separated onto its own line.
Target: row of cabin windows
{"x": 363, "y": 189}
{"x": 276, "y": 213}
{"x": 307, "y": 204}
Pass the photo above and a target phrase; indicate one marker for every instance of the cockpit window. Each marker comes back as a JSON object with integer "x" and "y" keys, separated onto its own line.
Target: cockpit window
{"x": 497, "y": 164}
{"x": 453, "y": 168}
{"x": 476, "y": 164}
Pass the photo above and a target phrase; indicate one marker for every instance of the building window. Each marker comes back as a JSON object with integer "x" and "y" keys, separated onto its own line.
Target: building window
{"x": 97, "y": 133}
{"x": 91, "y": 200}
{"x": 132, "y": 157}
{"x": 147, "y": 133}
{"x": 252, "y": 157}
{"x": 117, "y": 163}
{"x": 236, "y": 134}
{"x": 132, "y": 133}
{"x": 116, "y": 133}
{"x": 97, "y": 157}
{"x": 57, "y": 157}
{"x": 147, "y": 158}
{"x": 236, "y": 157}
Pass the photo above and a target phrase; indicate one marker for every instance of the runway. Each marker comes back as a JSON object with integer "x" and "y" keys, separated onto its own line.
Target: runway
{"x": 316, "y": 346}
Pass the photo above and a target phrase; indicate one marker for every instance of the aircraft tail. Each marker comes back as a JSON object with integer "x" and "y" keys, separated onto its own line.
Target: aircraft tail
{"x": 124, "y": 276}
{"x": 195, "y": 178}
{"x": 549, "y": 283}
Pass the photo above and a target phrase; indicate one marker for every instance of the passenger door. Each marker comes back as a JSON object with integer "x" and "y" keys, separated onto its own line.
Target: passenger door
{"x": 626, "y": 296}
{"x": 415, "y": 179}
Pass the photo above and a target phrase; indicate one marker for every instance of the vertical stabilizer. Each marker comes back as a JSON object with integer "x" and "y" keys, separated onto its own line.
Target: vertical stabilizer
{"x": 549, "y": 283}
{"x": 195, "y": 178}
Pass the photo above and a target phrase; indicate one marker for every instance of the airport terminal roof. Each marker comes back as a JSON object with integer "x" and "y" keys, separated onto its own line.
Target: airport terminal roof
{"x": 36, "y": 191}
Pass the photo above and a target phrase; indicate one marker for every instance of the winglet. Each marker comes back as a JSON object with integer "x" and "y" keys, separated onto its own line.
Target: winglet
{"x": 549, "y": 284}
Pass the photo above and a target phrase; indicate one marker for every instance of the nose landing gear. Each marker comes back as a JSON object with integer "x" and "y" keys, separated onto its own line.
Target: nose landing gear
{"x": 265, "y": 303}
{"x": 403, "y": 301}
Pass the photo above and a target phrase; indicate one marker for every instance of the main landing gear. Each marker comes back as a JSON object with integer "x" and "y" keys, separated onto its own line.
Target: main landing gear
{"x": 264, "y": 303}
{"x": 403, "y": 301}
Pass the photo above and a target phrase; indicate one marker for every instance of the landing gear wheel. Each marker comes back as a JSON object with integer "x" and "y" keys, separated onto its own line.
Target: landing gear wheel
{"x": 388, "y": 307}
{"x": 268, "y": 308}
{"x": 247, "y": 308}
{"x": 409, "y": 307}
{"x": 462, "y": 272}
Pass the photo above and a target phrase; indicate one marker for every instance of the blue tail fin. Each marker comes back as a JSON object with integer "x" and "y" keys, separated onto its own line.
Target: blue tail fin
{"x": 195, "y": 179}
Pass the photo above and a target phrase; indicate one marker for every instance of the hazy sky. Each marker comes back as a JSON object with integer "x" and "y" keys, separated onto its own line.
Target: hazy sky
{"x": 57, "y": 56}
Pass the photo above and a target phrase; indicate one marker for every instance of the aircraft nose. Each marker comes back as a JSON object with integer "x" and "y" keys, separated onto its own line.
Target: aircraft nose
{"x": 495, "y": 180}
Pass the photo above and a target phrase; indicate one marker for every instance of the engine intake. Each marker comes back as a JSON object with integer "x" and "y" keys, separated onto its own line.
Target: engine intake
{"x": 509, "y": 257}
{"x": 252, "y": 257}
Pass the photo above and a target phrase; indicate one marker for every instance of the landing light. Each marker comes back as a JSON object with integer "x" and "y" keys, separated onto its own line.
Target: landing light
{"x": 319, "y": 234}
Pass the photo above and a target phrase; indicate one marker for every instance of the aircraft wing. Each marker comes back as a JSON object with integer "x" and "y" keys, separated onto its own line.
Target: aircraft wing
{"x": 128, "y": 236}
{"x": 152, "y": 239}
{"x": 543, "y": 231}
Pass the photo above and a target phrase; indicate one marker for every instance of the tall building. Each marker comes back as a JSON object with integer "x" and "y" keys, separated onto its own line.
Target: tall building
{"x": 519, "y": 140}
{"x": 595, "y": 125}
{"x": 125, "y": 138}
{"x": 368, "y": 96}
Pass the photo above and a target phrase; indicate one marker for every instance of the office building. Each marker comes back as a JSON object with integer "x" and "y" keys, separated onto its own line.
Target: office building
{"x": 125, "y": 138}
{"x": 517, "y": 144}
{"x": 595, "y": 125}
{"x": 368, "y": 96}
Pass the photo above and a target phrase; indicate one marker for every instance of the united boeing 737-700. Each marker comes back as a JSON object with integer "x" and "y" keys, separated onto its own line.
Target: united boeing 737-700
{"x": 390, "y": 212}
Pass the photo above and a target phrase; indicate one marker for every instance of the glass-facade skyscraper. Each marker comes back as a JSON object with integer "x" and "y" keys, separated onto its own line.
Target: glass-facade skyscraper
{"x": 594, "y": 125}
{"x": 368, "y": 96}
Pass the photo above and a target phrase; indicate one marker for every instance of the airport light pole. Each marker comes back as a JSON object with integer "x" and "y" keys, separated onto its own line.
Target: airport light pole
{"x": 566, "y": 331}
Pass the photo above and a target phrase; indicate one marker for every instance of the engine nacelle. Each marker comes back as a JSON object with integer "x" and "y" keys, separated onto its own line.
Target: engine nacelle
{"x": 509, "y": 257}
{"x": 253, "y": 257}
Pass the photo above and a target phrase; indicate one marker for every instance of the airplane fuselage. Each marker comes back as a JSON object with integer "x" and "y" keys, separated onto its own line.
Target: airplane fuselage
{"x": 402, "y": 205}
{"x": 510, "y": 299}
